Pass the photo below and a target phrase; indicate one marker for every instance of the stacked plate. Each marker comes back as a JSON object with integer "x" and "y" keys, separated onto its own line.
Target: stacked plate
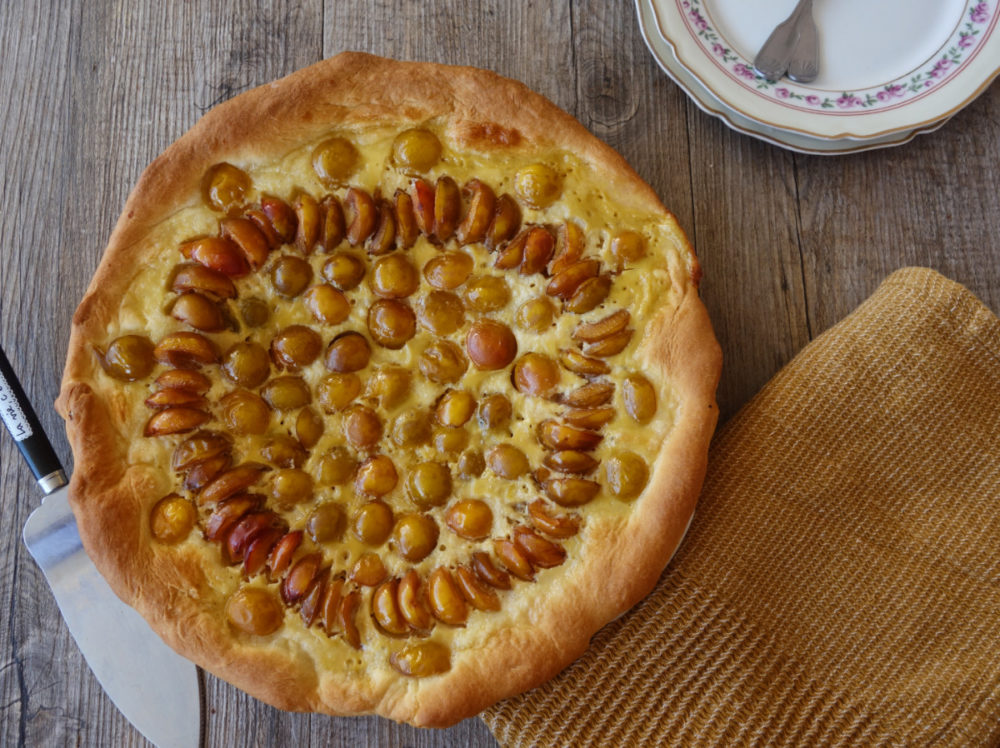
{"x": 889, "y": 69}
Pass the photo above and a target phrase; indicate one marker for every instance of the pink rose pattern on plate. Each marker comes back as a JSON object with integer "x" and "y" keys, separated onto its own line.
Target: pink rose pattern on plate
{"x": 965, "y": 39}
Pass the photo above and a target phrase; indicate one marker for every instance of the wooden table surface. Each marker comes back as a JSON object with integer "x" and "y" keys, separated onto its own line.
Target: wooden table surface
{"x": 94, "y": 90}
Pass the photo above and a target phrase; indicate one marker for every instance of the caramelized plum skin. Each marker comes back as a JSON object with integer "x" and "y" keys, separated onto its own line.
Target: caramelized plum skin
{"x": 335, "y": 160}
{"x": 416, "y": 149}
{"x": 538, "y": 184}
{"x": 224, "y": 187}
{"x": 129, "y": 358}
{"x": 422, "y": 659}
{"x": 255, "y": 611}
{"x": 172, "y": 519}
{"x": 490, "y": 345}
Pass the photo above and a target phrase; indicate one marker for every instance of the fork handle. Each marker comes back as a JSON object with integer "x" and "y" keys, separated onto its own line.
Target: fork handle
{"x": 772, "y": 60}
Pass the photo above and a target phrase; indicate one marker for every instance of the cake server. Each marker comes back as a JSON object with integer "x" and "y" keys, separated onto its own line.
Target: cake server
{"x": 154, "y": 687}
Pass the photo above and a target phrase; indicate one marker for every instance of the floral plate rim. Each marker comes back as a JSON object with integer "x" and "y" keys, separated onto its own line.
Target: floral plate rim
{"x": 897, "y": 105}
{"x": 708, "y": 103}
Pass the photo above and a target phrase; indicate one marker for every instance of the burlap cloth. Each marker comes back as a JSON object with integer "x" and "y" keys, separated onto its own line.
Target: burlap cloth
{"x": 840, "y": 583}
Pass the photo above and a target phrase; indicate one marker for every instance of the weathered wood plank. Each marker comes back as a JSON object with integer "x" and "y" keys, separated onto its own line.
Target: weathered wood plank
{"x": 746, "y": 234}
{"x": 931, "y": 202}
{"x": 44, "y": 695}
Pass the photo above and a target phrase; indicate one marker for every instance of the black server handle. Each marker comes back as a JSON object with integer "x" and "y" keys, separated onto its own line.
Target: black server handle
{"x": 22, "y": 423}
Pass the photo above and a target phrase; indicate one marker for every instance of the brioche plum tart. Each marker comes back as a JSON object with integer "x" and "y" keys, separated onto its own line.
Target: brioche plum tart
{"x": 392, "y": 387}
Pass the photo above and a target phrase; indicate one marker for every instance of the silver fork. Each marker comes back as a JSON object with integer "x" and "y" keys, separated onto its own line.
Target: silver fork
{"x": 792, "y": 47}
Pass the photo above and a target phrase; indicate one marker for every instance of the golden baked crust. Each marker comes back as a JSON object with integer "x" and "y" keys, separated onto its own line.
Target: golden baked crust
{"x": 487, "y": 123}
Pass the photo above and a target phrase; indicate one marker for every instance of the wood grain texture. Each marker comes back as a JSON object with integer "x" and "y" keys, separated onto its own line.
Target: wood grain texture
{"x": 789, "y": 243}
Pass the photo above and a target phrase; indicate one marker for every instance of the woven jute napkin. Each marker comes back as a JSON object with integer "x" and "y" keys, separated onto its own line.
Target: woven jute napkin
{"x": 840, "y": 583}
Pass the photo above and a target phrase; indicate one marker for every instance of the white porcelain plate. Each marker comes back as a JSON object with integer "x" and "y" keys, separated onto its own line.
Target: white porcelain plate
{"x": 707, "y": 102}
{"x": 887, "y": 66}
